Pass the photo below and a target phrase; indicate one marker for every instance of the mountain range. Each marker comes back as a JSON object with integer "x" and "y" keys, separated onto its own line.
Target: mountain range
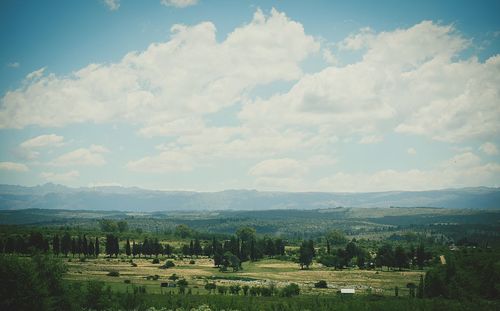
{"x": 53, "y": 196}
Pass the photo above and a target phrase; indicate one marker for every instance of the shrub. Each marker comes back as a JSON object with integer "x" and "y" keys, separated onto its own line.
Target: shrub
{"x": 126, "y": 281}
{"x": 321, "y": 284}
{"x": 156, "y": 261}
{"x": 168, "y": 264}
{"x": 113, "y": 273}
{"x": 192, "y": 262}
{"x": 290, "y": 290}
{"x": 83, "y": 259}
{"x": 134, "y": 264}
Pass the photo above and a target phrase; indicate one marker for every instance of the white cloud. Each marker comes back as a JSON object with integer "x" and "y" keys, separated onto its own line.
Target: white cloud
{"x": 60, "y": 177}
{"x": 489, "y": 148}
{"x": 43, "y": 141}
{"x": 188, "y": 76}
{"x": 112, "y": 5}
{"x": 411, "y": 151}
{"x": 408, "y": 81}
{"x": 463, "y": 170}
{"x": 329, "y": 57}
{"x": 13, "y": 166}
{"x": 165, "y": 162}
{"x": 13, "y": 65}
{"x": 35, "y": 74}
{"x": 179, "y": 3}
{"x": 371, "y": 139}
{"x": 278, "y": 168}
{"x": 91, "y": 156}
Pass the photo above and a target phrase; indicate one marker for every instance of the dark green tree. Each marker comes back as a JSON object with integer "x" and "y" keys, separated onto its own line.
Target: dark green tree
{"x": 306, "y": 254}
{"x": 56, "y": 245}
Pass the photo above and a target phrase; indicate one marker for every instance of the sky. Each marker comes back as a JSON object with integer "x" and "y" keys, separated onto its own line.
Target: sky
{"x": 337, "y": 96}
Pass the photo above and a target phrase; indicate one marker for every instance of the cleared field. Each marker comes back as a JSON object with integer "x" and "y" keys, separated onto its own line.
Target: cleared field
{"x": 261, "y": 273}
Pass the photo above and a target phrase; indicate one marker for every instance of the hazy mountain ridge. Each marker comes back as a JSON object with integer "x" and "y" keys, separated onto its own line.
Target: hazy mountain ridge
{"x": 51, "y": 196}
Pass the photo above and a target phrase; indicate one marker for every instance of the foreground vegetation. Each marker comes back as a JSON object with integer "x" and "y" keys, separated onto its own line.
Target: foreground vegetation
{"x": 116, "y": 266}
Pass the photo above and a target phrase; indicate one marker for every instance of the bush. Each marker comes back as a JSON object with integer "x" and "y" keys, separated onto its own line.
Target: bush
{"x": 290, "y": 290}
{"x": 113, "y": 273}
{"x": 173, "y": 277}
{"x": 126, "y": 281}
{"x": 192, "y": 262}
{"x": 168, "y": 264}
{"x": 83, "y": 259}
{"x": 134, "y": 264}
{"x": 156, "y": 261}
{"x": 321, "y": 284}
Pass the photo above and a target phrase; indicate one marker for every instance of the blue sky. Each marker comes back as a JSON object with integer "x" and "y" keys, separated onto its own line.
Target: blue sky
{"x": 268, "y": 95}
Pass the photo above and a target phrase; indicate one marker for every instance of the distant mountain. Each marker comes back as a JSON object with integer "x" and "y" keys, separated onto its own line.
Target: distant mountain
{"x": 52, "y": 196}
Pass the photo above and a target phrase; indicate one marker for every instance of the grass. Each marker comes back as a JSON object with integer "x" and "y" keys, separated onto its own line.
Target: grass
{"x": 260, "y": 273}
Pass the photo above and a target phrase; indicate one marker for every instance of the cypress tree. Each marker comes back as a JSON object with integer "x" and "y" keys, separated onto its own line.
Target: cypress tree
{"x": 127, "y": 248}
{"x": 91, "y": 248}
{"x": 66, "y": 244}
{"x": 116, "y": 246}
{"x": 56, "y": 247}
{"x": 96, "y": 247}
{"x": 134, "y": 249}
{"x": 85, "y": 246}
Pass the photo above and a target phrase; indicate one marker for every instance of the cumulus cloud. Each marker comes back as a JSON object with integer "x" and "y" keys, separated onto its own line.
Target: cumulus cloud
{"x": 43, "y": 141}
{"x": 179, "y": 3}
{"x": 408, "y": 80}
{"x": 13, "y": 166}
{"x": 489, "y": 148}
{"x": 112, "y": 5}
{"x": 60, "y": 177}
{"x": 92, "y": 156}
{"x": 189, "y": 75}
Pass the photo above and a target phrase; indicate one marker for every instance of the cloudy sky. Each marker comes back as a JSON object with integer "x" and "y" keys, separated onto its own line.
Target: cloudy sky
{"x": 268, "y": 95}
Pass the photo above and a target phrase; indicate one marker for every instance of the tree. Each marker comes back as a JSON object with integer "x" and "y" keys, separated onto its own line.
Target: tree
{"x": 91, "y": 248}
{"x": 420, "y": 288}
{"x": 385, "y": 256}
{"x": 108, "y": 225}
{"x": 336, "y": 237}
{"x": 122, "y": 226}
{"x": 56, "y": 246}
{"x": 183, "y": 231}
{"x": 321, "y": 284}
{"x": 306, "y": 254}
{"x": 400, "y": 257}
{"x": 66, "y": 244}
{"x": 197, "y": 247}
{"x": 420, "y": 256}
{"x": 135, "y": 249}
{"x": 127, "y": 248}
{"x": 96, "y": 247}
{"x": 182, "y": 283}
{"x": 218, "y": 254}
{"x": 231, "y": 260}
{"x": 290, "y": 290}
{"x": 85, "y": 246}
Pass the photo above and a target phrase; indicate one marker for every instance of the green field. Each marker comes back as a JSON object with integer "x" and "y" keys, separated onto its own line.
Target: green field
{"x": 260, "y": 273}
